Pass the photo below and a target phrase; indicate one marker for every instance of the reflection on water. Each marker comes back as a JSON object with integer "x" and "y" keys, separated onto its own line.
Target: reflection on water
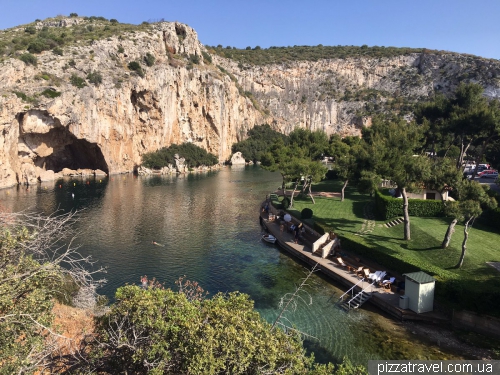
{"x": 209, "y": 226}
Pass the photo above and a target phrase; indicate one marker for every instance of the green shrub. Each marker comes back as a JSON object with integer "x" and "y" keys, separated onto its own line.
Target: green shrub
{"x": 491, "y": 218}
{"x": 95, "y": 77}
{"x": 29, "y": 59}
{"x": 50, "y": 93}
{"x": 113, "y": 20}
{"x": 121, "y": 49}
{"x": 206, "y": 57}
{"x": 77, "y": 81}
{"x": 285, "y": 202}
{"x": 57, "y": 51}
{"x": 149, "y": 59}
{"x": 30, "y": 30}
{"x": 136, "y": 67}
{"x": 388, "y": 207}
{"x": 73, "y": 15}
{"x": 194, "y": 156}
{"x": 195, "y": 59}
{"x": 37, "y": 46}
{"x": 276, "y": 203}
{"x": 72, "y": 63}
{"x": 23, "y": 96}
{"x": 306, "y": 213}
{"x": 318, "y": 228}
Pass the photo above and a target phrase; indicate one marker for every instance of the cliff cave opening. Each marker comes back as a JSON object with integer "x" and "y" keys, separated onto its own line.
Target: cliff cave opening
{"x": 58, "y": 148}
{"x": 80, "y": 154}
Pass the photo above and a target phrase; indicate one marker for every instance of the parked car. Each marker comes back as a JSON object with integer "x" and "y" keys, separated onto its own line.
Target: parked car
{"x": 482, "y": 167}
{"x": 489, "y": 173}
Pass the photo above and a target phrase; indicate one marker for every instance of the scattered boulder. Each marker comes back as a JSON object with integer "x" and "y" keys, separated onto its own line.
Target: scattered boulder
{"x": 28, "y": 175}
{"x": 46, "y": 176}
{"x": 143, "y": 171}
{"x": 98, "y": 172}
{"x": 237, "y": 159}
{"x": 179, "y": 164}
{"x": 85, "y": 172}
{"x": 69, "y": 172}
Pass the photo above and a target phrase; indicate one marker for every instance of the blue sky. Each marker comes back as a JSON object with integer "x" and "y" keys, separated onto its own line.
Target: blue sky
{"x": 465, "y": 26}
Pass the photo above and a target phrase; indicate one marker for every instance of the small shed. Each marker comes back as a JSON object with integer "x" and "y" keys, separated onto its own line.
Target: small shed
{"x": 419, "y": 287}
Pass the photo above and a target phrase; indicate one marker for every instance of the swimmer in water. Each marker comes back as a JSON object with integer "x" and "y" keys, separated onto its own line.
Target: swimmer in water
{"x": 157, "y": 244}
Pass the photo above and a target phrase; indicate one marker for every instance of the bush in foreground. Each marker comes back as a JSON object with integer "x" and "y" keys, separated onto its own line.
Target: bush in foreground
{"x": 159, "y": 331}
{"x": 35, "y": 269}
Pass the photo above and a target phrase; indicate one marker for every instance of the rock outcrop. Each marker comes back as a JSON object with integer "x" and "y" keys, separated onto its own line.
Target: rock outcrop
{"x": 55, "y": 116}
{"x": 237, "y": 159}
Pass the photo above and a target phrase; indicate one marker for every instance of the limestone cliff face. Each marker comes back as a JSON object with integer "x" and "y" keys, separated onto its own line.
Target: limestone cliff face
{"x": 48, "y": 123}
{"x": 338, "y": 95}
{"x": 111, "y": 125}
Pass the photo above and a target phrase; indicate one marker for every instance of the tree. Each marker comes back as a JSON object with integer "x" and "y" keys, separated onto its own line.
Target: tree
{"x": 156, "y": 330}
{"x": 345, "y": 153}
{"x": 468, "y": 118}
{"x": 395, "y": 150}
{"x": 473, "y": 200}
{"x": 294, "y": 164}
{"x": 38, "y": 262}
{"x": 259, "y": 140}
{"x": 313, "y": 143}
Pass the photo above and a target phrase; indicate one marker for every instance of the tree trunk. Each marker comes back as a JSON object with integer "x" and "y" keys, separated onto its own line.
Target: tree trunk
{"x": 343, "y": 188}
{"x": 463, "y": 152}
{"x": 310, "y": 193}
{"x": 283, "y": 187}
{"x": 464, "y": 243}
{"x": 406, "y": 215}
{"x": 304, "y": 186}
{"x": 449, "y": 232}
{"x": 293, "y": 193}
{"x": 479, "y": 157}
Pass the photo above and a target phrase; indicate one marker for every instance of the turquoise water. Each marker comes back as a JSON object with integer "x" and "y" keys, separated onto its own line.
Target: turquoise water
{"x": 208, "y": 224}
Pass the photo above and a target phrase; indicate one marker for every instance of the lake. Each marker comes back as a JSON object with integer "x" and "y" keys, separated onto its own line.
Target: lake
{"x": 208, "y": 224}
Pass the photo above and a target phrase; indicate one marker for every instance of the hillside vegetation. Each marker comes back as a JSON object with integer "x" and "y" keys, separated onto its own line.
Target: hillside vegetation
{"x": 278, "y": 55}
{"x": 47, "y": 35}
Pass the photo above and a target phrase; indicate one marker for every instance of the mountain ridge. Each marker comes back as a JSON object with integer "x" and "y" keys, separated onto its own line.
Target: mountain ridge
{"x": 91, "y": 99}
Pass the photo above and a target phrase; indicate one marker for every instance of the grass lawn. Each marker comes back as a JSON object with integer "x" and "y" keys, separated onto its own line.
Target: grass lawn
{"x": 474, "y": 286}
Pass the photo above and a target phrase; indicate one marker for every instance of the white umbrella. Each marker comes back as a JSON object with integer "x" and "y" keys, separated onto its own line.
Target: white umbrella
{"x": 287, "y": 218}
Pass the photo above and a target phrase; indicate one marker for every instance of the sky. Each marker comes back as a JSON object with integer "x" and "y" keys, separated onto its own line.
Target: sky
{"x": 464, "y": 26}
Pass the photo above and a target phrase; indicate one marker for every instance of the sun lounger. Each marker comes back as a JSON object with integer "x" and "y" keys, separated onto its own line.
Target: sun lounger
{"x": 364, "y": 273}
{"x": 387, "y": 283}
{"x": 341, "y": 263}
{"x": 358, "y": 271}
{"x": 377, "y": 276}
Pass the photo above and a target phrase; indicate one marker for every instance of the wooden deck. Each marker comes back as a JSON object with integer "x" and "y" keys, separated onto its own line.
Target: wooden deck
{"x": 385, "y": 299}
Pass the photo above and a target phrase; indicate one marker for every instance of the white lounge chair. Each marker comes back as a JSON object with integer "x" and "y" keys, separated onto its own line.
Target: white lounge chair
{"x": 377, "y": 276}
{"x": 387, "y": 283}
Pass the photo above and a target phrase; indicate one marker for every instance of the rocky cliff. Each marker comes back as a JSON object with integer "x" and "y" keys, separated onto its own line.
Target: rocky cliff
{"x": 86, "y": 106}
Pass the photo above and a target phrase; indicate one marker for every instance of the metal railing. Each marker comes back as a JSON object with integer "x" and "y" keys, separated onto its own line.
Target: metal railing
{"x": 341, "y": 298}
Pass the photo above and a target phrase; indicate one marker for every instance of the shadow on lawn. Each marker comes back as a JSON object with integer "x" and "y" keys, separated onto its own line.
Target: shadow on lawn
{"x": 407, "y": 247}
{"x": 339, "y": 224}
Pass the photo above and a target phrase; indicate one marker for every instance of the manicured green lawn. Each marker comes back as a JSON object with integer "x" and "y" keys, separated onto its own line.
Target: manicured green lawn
{"x": 476, "y": 284}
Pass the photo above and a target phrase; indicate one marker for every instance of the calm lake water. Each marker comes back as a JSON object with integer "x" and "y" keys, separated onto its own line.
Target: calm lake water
{"x": 208, "y": 224}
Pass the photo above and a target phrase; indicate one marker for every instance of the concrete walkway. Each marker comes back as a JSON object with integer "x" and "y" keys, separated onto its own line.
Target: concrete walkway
{"x": 385, "y": 299}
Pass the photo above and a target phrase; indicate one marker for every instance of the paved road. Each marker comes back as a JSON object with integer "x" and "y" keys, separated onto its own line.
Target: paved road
{"x": 489, "y": 181}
